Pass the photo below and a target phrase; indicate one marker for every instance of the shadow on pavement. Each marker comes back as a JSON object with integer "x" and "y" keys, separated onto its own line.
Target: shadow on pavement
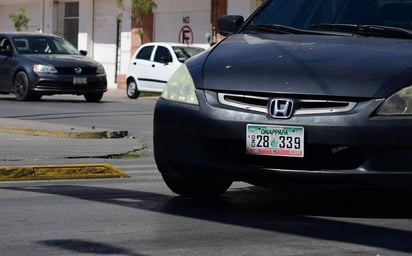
{"x": 310, "y": 214}
{"x": 82, "y": 246}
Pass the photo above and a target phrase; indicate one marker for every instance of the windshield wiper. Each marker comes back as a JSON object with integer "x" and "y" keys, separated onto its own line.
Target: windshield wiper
{"x": 282, "y": 29}
{"x": 367, "y": 30}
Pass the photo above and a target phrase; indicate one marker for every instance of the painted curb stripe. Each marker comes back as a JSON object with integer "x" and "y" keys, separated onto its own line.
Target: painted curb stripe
{"x": 73, "y": 171}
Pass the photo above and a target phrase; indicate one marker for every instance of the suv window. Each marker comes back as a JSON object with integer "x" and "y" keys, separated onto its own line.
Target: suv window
{"x": 163, "y": 55}
{"x": 145, "y": 53}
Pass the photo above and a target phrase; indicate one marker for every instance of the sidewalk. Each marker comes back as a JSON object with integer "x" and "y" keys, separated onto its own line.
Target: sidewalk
{"x": 62, "y": 151}
{"x": 115, "y": 93}
{"x": 34, "y": 128}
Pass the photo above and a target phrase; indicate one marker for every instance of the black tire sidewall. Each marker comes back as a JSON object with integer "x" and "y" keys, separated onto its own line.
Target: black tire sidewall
{"x": 26, "y": 90}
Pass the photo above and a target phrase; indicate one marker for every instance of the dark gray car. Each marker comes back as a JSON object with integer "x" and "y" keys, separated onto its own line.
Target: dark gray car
{"x": 35, "y": 64}
{"x": 302, "y": 92}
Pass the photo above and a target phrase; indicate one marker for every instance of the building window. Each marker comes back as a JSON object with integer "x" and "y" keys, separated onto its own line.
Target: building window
{"x": 71, "y": 22}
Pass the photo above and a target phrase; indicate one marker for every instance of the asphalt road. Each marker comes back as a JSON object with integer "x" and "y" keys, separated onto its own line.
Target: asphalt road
{"x": 140, "y": 216}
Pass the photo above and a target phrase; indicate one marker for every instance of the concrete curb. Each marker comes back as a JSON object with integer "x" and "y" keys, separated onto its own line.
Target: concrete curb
{"x": 53, "y": 172}
{"x": 36, "y": 128}
{"x": 57, "y": 133}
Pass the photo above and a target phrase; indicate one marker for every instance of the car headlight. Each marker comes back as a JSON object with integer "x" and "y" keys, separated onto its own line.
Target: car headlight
{"x": 181, "y": 87}
{"x": 40, "y": 68}
{"x": 399, "y": 103}
{"x": 100, "y": 69}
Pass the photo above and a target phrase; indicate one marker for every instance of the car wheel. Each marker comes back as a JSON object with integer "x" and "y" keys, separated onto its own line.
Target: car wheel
{"x": 22, "y": 87}
{"x": 195, "y": 186}
{"x": 93, "y": 96}
{"x": 132, "y": 91}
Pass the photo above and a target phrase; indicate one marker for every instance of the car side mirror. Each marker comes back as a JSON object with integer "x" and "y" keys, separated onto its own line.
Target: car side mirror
{"x": 229, "y": 24}
{"x": 83, "y": 52}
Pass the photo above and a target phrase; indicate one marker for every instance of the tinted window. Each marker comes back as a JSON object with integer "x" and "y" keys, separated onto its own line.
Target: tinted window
{"x": 43, "y": 45}
{"x": 22, "y": 45}
{"x": 163, "y": 55}
{"x": 305, "y": 13}
{"x": 145, "y": 53}
{"x": 4, "y": 42}
{"x": 184, "y": 53}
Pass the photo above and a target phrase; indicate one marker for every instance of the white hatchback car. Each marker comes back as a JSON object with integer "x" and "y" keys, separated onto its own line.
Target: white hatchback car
{"x": 153, "y": 64}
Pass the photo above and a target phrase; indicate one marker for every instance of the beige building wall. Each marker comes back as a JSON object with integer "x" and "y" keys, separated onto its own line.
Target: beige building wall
{"x": 173, "y": 16}
{"x": 241, "y": 7}
{"x": 33, "y": 9}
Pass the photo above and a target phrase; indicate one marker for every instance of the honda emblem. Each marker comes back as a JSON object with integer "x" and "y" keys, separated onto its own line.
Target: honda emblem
{"x": 280, "y": 108}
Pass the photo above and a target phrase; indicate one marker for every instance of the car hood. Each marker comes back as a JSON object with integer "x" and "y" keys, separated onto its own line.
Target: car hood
{"x": 309, "y": 65}
{"x": 61, "y": 60}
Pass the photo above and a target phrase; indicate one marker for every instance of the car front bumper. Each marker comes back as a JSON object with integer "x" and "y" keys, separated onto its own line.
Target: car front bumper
{"x": 210, "y": 139}
{"x": 65, "y": 84}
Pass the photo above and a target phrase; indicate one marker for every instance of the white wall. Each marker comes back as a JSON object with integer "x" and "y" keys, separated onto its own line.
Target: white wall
{"x": 48, "y": 10}
{"x": 86, "y": 17}
{"x": 168, "y": 19}
{"x": 241, "y": 7}
{"x": 33, "y": 9}
{"x": 104, "y": 36}
{"x": 125, "y": 47}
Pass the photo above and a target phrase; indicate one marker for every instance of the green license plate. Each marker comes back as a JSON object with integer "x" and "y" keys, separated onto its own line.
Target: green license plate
{"x": 271, "y": 140}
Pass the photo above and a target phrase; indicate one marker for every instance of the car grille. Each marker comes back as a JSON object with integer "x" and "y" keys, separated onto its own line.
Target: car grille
{"x": 302, "y": 106}
{"x": 317, "y": 157}
{"x": 71, "y": 71}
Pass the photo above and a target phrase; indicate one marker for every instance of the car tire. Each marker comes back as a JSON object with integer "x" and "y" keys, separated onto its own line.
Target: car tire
{"x": 132, "y": 90}
{"x": 93, "y": 96}
{"x": 21, "y": 87}
{"x": 195, "y": 186}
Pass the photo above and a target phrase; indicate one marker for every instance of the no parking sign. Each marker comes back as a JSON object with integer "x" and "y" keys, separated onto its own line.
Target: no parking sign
{"x": 186, "y": 35}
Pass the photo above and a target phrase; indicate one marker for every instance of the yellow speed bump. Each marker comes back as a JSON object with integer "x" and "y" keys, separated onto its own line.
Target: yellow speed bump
{"x": 50, "y": 172}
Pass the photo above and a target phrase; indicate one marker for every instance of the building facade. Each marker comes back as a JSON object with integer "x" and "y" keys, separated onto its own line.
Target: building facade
{"x": 108, "y": 33}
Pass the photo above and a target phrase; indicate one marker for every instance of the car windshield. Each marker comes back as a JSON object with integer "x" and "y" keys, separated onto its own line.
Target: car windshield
{"x": 43, "y": 45}
{"x": 390, "y": 18}
{"x": 183, "y": 53}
